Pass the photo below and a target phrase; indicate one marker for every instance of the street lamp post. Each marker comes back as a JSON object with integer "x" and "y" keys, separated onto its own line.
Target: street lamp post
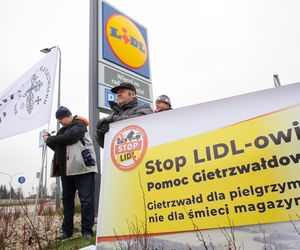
{"x": 10, "y": 182}
{"x": 47, "y": 50}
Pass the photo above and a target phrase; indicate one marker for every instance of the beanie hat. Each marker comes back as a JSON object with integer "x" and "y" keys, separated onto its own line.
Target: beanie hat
{"x": 164, "y": 98}
{"x": 62, "y": 112}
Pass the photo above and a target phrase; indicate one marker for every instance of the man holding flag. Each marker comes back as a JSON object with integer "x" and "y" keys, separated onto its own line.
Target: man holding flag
{"x": 74, "y": 161}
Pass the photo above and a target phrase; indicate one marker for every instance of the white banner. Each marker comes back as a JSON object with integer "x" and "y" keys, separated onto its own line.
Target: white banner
{"x": 26, "y": 104}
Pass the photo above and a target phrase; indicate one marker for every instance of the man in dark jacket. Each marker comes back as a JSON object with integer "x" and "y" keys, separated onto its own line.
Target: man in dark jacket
{"x": 162, "y": 103}
{"x": 126, "y": 107}
{"x": 75, "y": 173}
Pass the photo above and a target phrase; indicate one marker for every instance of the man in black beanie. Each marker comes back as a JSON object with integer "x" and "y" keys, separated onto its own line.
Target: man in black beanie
{"x": 74, "y": 160}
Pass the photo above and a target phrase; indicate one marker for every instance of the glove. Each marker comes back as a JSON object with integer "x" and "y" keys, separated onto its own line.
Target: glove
{"x": 102, "y": 126}
{"x": 106, "y": 120}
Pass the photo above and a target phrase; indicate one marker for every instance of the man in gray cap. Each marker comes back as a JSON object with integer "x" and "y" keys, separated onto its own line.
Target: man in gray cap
{"x": 162, "y": 103}
{"x": 126, "y": 107}
{"x": 74, "y": 161}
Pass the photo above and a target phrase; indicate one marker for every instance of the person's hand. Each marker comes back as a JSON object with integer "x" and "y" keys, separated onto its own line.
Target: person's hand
{"x": 102, "y": 126}
{"x": 106, "y": 120}
{"x": 46, "y": 136}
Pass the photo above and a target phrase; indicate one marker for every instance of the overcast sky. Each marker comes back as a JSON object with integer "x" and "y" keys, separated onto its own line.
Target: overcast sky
{"x": 199, "y": 51}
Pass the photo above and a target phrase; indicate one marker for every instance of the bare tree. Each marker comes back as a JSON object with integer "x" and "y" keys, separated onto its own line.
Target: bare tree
{"x": 294, "y": 224}
{"x": 230, "y": 235}
{"x": 264, "y": 237}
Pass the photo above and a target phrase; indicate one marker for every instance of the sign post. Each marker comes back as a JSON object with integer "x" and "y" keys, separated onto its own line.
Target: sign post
{"x": 21, "y": 180}
{"x": 118, "y": 53}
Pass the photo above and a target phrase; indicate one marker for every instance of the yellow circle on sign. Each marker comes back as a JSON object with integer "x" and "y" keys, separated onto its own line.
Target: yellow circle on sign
{"x": 126, "y": 41}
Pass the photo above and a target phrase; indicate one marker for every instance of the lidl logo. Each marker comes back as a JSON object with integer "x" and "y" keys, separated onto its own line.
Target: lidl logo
{"x": 126, "y": 41}
{"x": 128, "y": 147}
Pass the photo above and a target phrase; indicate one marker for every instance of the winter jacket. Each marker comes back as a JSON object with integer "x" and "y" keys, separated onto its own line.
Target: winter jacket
{"x": 129, "y": 110}
{"x": 67, "y": 145}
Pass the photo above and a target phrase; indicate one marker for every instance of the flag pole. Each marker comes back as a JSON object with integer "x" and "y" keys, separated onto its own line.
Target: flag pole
{"x": 57, "y": 196}
{"x": 58, "y": 189}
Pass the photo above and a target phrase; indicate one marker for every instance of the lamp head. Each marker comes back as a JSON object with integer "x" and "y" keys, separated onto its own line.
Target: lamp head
{"x": 47, "y": 50}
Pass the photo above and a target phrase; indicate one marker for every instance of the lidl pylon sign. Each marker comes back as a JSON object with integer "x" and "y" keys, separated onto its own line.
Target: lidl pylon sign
{"x": 124, "y": 41}
{"x": 127, "y": 44}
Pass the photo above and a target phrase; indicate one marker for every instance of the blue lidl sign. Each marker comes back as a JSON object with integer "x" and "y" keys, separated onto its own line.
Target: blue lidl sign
{"x": 109, "y": 96}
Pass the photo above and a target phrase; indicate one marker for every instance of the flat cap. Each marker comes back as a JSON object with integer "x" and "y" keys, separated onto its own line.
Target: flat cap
{"x": 123, "y": 85}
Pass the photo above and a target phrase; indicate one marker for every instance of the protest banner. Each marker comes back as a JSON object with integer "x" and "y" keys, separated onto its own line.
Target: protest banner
{"x": 203, "y": 166}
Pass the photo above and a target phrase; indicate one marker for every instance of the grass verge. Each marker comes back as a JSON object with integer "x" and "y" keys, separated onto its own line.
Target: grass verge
{"x": 72, "y": 244}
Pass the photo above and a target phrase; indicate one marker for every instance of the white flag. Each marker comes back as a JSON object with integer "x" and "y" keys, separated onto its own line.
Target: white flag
{"x": 26, "y": 104}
